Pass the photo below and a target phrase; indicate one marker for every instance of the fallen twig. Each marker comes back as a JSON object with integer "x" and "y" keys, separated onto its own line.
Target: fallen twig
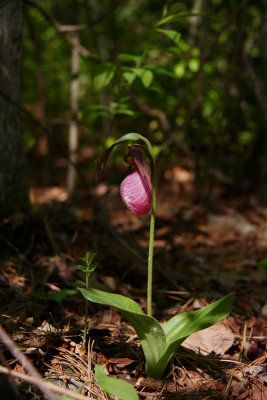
{"x": 24, "y": 362}
{"x": 44, "y": 386}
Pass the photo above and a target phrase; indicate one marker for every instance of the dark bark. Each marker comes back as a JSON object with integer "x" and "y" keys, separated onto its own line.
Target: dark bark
{"x": 257, "y": 162}
{"x": 198, "y": 132}
{"x": 74, "y": 126}
{"x": 14, "y": 193}
{"x": 264, "y": 100}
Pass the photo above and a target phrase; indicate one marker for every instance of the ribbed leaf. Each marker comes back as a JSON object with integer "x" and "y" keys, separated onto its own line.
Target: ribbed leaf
{"x": 117, "y": 387}
{"x": 148, "y": 329}
{"x": 187, "y": 323}
{"x": 159, "y": 342}
{"x": 179, "y": 327}
{"x": 111, "y": 299}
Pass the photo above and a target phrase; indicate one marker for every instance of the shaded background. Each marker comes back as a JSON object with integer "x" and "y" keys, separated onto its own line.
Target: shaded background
{"x": 191, "y": 77}
{"x": 194, "y": 85}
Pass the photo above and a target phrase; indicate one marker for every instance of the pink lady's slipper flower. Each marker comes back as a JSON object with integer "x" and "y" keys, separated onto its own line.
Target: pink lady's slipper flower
{"x": 136, "y": 188}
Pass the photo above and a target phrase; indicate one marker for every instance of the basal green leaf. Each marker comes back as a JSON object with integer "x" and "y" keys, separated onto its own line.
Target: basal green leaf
{"x": 183, "y": 325}
{"x": 116, "y": 387}
{"x": 159, "y": 342}
{"x": 179, "y": 327}
{"x": 173, "y": 35}
{"x": 111, "y": 299}
{"x": 148, "y": 329}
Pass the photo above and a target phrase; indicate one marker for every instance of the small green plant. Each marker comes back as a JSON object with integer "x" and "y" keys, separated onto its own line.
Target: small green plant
{"x": 87, "y": 269}
{"x": 159, "y": 341}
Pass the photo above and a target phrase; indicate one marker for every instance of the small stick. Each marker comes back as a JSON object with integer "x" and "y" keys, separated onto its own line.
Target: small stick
{"x": 24, "y": 362}
{"x": 44, "y": 386}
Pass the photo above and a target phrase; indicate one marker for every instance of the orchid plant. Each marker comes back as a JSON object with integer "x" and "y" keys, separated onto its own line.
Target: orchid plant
{"x": 159, "y": 340}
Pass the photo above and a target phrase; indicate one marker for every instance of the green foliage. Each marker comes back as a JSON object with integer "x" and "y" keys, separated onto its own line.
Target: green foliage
{"x": 159, "y": 342}
{"x": 173, "y": 35}
{"x": 59, "y": 296}
{"x": 145, "y": 75}
{"x": 177, "y": 17}
{"x": 87, "y": 269}
{"x": 102, "y": 75}
{"x": 161, "y": 55}
{"x": 116, "y": 387}
{"x": 262, "y": 264}
{"x": 89, "y": 266}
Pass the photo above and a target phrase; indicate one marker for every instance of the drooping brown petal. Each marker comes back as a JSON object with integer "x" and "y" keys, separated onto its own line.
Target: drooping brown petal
{"x": 142, "y": 148}
{"x": 102, "y": 161}
{"x": 140, "y": 164}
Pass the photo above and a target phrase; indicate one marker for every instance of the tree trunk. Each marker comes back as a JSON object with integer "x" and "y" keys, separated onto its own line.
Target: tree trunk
{"x": 73, "y": 127}
{"x": 264, "y": 101}
{"x": 14, "y": 193}
{"x": 258, "y": 164}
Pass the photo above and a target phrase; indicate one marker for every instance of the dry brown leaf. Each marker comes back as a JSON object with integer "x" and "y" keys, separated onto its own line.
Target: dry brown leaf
{"x": 216, "y": 339}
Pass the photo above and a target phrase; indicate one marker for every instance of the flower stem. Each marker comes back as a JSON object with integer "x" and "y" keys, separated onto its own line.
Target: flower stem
{"x": 151, "y": 245}
{"x": 85, "y": 314}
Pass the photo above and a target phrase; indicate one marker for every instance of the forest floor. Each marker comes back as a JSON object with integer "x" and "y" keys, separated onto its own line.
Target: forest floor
{"x": 202, "y": 252}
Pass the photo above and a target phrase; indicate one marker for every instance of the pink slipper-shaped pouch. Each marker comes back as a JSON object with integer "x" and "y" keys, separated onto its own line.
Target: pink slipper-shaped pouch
{"x": 136, "y": 192}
